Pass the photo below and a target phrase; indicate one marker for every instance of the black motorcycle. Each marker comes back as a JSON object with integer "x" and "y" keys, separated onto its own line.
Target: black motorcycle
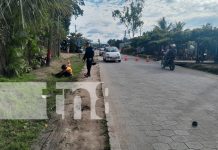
{"x": 168, "y": 63}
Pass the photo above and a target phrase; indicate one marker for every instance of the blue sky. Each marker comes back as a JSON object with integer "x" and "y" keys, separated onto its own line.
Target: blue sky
{"x": 97, "y": 21}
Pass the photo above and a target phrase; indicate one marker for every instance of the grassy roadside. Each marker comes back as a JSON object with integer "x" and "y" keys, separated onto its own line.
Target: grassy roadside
{"x": 106, "y": 134}
{"x": 210, "y": 68}
{"x": 19, "y": 134}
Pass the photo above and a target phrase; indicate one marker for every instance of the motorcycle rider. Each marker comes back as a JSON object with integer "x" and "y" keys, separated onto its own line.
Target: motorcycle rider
{"x": 170, "y": 53}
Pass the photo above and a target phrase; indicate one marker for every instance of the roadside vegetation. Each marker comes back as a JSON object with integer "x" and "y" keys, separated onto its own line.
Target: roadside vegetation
{"x": 31, "y": 30}
{"x": 20, "y": 134}
{"x": 210, "y": 68}
{"x": 191, "y": 44}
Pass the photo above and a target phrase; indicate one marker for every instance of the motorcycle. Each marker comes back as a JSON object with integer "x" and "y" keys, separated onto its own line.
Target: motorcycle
{"x": 168, "y": 63}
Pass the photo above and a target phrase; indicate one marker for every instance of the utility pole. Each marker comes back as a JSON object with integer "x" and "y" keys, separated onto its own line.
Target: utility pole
{"x": 197, "y": 53}
{"x": 75, "y": 28}
{"x": 216, "y": 54}
{"x": 76, "y": 39}
{"x": 99, "y": 42}
{"x": 140, "y": 30}
{"x": 75, "y": 25}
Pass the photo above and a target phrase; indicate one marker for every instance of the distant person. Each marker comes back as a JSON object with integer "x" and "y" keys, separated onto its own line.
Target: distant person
{"x": 204, "y": 56}
{"x": 170, "y": 54}
{"x": 88, "y": 57}
{"x": 67, "y": 71}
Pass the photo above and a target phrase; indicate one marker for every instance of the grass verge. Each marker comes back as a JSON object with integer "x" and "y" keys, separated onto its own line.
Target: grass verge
{"x": 106, "y": 134}
{"x": 211, "y": 68}
{"x": 20, "y": 134}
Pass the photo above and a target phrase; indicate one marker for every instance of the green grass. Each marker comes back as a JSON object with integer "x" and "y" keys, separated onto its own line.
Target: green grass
{"x": 210, "y": 68}
{"x": 77, "y": 66}
{"x": 20, "y": 134}
{"x": 23, "y": 78}
{"x": 106, "y": 134}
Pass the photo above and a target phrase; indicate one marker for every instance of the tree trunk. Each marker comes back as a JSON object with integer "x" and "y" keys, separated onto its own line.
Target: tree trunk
{"x": 58, "y": 36}
{"x": 29, "y": 53}
{"x": 2, "y": 59}
{"x": 48, "y": 60}
{"x": 216, "y": 57}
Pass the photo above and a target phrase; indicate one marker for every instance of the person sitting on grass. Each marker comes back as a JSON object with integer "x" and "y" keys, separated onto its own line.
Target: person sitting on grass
{"x": 67, "y": 71}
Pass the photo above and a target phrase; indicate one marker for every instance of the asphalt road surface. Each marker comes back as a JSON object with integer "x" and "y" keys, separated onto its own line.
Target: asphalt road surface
{"x": 153, "y": 109}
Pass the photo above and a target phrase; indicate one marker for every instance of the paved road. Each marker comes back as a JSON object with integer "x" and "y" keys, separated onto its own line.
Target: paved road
{"x": 153, "y": 109}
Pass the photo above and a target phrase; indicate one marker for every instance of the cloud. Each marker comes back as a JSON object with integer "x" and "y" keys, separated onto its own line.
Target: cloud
{"x": 94, "y": 31}
{"x": 98, "y": 23}
{"x": 170, "y": 1}
{"x": 200, "y": 21}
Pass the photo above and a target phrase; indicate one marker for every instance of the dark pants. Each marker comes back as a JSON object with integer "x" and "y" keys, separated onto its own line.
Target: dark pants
{"x": 89, "y": 66}
{"x": 62, "y": 73}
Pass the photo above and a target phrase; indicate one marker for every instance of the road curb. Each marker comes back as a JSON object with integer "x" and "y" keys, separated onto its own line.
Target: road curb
{"x": 114, "y": 144}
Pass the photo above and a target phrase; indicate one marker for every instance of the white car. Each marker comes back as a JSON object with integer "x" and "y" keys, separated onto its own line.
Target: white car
{"x": 101, "y": 51}
{"x": 111, "y": 54}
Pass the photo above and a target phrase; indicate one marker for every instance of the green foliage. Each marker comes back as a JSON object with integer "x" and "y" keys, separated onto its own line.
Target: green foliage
{"x": 77, "y": 40}
{"x": 165, "y": 33}
{"x": 163, "y": 25}
{"x": 113, "y": 42}
{"x": 128, "y": 51}
{"x": 29, "y": 26}
{"x": 21, "y": 54}
{"x": 130, "y": 16}
{"x": 20, "y": 134}
{"x": 211, "y": 68}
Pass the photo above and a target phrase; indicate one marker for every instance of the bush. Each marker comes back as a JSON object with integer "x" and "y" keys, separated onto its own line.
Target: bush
{"x": 128, "y": 51}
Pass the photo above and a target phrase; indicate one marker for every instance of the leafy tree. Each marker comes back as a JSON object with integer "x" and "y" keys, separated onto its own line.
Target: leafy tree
{"x": 114, "y": 42}
{"x": 27, "y": 27}
{"x": 76, "y": 41}
{"x": 165, "y": 33}
{"x": 130, "y": 16}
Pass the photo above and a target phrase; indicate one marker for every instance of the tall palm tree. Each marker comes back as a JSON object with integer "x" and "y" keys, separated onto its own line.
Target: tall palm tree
{"x": 178, "y": 26}
{"x": 163, "y": 25}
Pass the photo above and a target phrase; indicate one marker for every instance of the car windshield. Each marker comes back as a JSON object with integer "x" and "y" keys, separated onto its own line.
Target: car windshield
{"x": 111, "y": 49}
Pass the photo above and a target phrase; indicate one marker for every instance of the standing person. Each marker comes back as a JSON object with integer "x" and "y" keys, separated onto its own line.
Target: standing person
{"x": 88, "y": 57}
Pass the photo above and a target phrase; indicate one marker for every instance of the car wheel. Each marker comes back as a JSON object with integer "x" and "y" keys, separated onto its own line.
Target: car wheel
{"x": 119, "y": 61}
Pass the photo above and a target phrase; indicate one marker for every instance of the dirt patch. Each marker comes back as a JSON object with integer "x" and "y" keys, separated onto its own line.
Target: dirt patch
{"x": 74, "y": 134}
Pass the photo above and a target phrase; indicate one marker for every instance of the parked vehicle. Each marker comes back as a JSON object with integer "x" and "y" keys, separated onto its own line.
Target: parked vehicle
{"x": 111, "y": 54}
{"x": 101, "y": 51}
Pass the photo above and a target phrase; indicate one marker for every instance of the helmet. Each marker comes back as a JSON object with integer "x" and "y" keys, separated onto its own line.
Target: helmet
{"x": 173, "y": 45}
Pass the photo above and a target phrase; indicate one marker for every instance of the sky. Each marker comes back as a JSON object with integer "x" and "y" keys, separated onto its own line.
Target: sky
{"x": 97, "y": 21}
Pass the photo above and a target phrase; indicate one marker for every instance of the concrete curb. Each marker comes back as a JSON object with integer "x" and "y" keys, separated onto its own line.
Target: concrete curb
{"x": 114, "y": 142}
